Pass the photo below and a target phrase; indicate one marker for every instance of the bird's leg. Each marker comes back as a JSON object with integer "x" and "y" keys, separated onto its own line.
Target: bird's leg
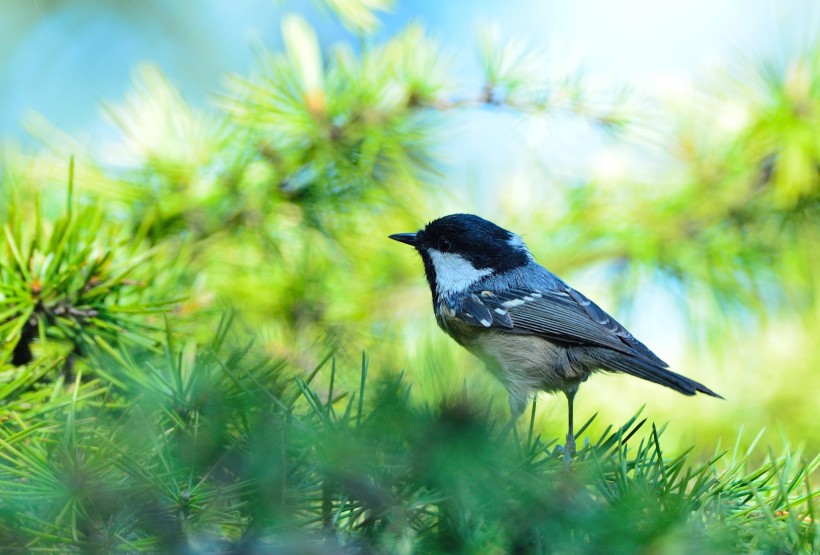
{"x": 517, "y": 406}
{"x": 569, "y": 447}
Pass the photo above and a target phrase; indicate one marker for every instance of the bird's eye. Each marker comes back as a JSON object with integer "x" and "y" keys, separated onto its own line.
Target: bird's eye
{"x": 444, "y": 245}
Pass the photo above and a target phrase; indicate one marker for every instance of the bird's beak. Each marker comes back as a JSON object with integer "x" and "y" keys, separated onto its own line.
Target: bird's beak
{"x": 407, "y": 238}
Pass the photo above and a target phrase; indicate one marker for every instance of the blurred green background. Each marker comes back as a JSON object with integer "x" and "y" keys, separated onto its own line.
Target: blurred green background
{"x": 253, "y": 156}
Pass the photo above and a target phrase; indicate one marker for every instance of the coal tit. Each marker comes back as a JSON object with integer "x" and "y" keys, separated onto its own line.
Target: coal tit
{"x": 533, "y": 331}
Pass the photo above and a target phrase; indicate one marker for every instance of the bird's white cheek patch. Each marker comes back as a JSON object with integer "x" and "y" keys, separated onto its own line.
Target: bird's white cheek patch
{"x": 454, "y": 273}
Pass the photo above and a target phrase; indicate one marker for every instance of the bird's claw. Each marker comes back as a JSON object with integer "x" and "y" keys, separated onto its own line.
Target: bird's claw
{"x": 569, "y": 450}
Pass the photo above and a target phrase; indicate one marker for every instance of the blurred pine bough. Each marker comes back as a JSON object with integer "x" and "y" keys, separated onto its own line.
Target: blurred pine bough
{"x": 213, "y": 450}
{"x": 269, "y": 203}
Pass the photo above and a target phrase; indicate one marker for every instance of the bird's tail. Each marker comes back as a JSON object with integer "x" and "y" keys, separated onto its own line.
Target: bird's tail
{"x": 619, "y": 362}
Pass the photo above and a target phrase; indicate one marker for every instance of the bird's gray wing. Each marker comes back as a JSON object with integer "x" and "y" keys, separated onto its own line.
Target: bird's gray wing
{"x": 564, "y": 315}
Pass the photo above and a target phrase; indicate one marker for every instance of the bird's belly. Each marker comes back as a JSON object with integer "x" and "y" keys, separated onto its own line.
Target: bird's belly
{"x": 526, "y": 363}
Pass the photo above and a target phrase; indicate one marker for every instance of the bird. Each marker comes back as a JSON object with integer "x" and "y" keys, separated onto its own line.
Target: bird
{"x": 532, "y": 331}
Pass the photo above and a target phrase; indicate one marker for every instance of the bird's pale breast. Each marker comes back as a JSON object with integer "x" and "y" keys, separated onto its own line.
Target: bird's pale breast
{"x": 524, "y": 363}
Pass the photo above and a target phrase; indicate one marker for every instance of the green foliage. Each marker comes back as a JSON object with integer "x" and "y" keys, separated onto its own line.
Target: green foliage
{"x": 345, "y": 131}
{"x": 213, "y": 449}
{"x": 73, "y": 282}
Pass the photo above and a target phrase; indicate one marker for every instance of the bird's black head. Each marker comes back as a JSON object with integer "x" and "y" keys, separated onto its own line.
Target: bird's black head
{"x": 460, "y": 249}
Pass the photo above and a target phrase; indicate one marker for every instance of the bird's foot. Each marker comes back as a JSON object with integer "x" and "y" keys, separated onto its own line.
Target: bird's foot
{"x": 569, "y": 450}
